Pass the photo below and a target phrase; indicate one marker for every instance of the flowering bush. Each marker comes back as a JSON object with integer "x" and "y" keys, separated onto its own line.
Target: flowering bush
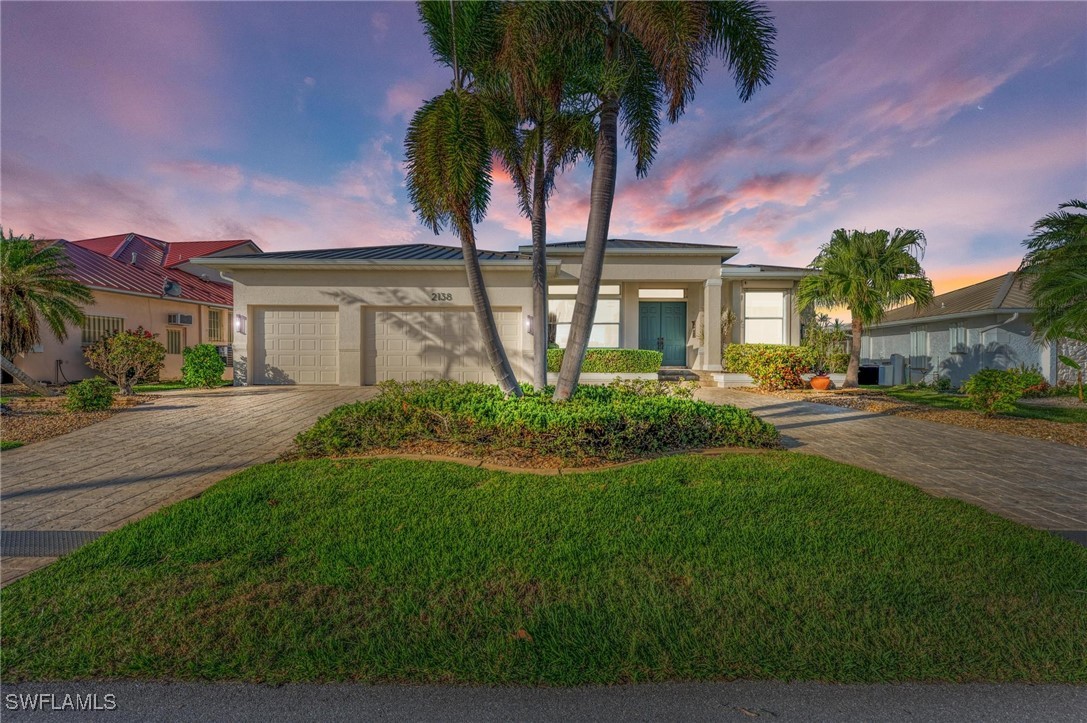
{"x": 771, "y": 366}
{"x": 127, "y": 357}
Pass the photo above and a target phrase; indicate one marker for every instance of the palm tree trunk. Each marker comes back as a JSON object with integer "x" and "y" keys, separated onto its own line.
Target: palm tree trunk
{"x": 24, "y": 378}
{"x": 852, "y": 372}
{"x": 539, "y": 270}
{"x": 596, "y": 239}
{"x": 496, "y": 353}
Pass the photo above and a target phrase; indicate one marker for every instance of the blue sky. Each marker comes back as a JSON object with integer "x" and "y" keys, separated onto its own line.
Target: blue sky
{"x": 284, "y": 122}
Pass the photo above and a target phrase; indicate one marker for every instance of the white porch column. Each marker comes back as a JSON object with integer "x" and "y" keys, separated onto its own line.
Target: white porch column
{"x": 711, "y": 333}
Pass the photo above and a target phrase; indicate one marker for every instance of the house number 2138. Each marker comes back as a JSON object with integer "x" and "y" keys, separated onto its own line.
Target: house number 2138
{"x": 441, "y": 296}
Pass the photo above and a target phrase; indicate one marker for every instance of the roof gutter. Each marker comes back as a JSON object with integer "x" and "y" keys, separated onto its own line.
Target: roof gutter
{"x": 179, "y": 299}
{"x": 946, "y": 317}
{"x": 734, "y": 273}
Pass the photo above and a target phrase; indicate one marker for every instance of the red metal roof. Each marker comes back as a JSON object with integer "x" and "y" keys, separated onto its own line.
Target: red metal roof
{"x": 107, "y": 263}
{"x": 179, "y": 253}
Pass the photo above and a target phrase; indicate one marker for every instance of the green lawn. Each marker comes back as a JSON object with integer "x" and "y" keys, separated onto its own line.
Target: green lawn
{"x": 165, "y": 387}
{"x": 933, "y": 398}
{"x": 763, "y": 565}
{"x": 9, "y": 444}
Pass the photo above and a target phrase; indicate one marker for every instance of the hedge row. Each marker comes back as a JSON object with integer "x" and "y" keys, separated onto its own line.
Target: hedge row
{"x": 612, "y": 361}
{"x": 771, "y": 366}
{"x": 599, "y": 423}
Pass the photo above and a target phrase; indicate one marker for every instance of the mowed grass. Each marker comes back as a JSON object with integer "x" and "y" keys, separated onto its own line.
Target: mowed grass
{"x": 9, "y": 444}
{"x": 764, "y": 565}
{"x": 933, "y": 398}
{"x": 166, "y": 387}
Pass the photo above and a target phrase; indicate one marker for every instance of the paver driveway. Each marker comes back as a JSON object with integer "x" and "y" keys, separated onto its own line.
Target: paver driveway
{"x": 1040, "y": 484}
{"x": 100, "y": 477}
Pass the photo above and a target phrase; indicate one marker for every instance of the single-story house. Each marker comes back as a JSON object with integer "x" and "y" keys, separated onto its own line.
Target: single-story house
{"x": 141, "y": 281}
{"x": 986, "y": 325}
{"x": 359, "y": 316}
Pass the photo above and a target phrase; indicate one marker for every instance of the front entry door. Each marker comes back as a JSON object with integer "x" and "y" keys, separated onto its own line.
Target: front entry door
{"x": 662, "y": 325}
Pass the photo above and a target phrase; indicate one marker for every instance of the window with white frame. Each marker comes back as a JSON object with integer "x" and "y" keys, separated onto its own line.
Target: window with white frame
{"x": 96, "y": 327}
{"x": 957, "y": 338}
{"x": 764, "y": 317}
{"x": 560, "y": 308}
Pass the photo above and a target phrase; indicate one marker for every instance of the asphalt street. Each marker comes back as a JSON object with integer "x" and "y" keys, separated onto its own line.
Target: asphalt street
{"x": 732, "y": 701}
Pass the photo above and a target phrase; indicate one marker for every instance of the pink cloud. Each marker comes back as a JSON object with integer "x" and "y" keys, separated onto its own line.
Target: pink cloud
{"x": 403, "y": 99}
{"x": 213, "y": 176}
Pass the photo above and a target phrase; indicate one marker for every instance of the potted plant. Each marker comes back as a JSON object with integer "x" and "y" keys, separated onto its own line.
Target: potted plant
{"x": 823, "y": 338}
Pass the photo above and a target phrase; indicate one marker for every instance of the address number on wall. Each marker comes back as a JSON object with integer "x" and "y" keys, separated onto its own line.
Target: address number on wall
{"x": 441, "y": 296}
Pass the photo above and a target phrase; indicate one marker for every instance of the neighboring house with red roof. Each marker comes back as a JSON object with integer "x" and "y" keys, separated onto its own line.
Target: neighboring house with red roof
{"x": 987, "y": 325}
{"x": 142, "y": 281}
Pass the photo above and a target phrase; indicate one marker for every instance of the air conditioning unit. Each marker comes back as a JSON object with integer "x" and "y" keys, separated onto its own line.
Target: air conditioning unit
{"x": 185, "y": 319}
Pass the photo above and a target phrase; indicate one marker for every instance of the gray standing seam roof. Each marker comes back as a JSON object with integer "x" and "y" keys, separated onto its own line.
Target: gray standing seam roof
{"x": 398, "y": 252}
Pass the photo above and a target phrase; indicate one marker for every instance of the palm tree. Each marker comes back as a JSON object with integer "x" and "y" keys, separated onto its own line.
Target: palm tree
{"x": 35, "y": 285}
{"x": 554, "y": 132}
{"x": 636, "y": 58}
{"x": 867, "y": 272}
{"x": 1056, "y": 262}
{"x": 448, "y": 148}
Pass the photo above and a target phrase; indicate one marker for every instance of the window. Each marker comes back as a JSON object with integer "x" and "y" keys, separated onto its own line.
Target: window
{"x": 96, "y": 327}
{"x": 175, "y": 341}
{"x": 957, "y": 341}
{"x": 919, "y": 348}
{"x": 764, "y": 317}
{"x": 605, "y": 331}
{"x": 662, "y": 294}
{"x": 215, "y": 325}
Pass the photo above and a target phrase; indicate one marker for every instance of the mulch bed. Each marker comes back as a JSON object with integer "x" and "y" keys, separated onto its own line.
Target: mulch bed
{"x": 867, "y": 400}
{"x": 33, "y": 419}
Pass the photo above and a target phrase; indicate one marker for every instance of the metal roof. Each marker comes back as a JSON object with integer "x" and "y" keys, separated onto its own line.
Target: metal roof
{"x": 398, "y": 252}
{"x": 180, "y": 252}
{"x": 1007, "y": 292}
{"x": 648, "y": 245}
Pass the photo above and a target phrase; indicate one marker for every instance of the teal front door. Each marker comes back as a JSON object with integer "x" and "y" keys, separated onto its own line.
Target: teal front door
{"x": 662, "y": 325}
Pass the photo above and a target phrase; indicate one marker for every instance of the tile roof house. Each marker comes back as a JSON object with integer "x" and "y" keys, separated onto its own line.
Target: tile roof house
{"x": 986, "y": 325}
{"x": 138, "y": 280}
{"x": 356, "y": 316}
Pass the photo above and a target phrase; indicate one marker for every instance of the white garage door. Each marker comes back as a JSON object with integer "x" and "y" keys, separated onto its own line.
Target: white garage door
{"x": 296, "y": 346}
{"x": 412, "y": 345}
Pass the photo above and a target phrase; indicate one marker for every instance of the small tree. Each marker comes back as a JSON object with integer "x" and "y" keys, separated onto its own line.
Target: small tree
{"x": 127, "y": 357}
{"x": 203, "y": 366}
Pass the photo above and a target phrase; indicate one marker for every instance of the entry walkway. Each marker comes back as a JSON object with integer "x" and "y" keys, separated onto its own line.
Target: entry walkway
{"x": 101, "y": 477}
{"x": 1040, "y": 484}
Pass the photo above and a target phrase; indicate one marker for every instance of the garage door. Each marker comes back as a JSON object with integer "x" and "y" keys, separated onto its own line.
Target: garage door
{"x": 296, "y": 346}
{"x": 413, "y": 345}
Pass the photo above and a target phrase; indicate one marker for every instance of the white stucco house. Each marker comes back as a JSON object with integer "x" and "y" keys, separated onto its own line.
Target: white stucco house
{"x": 359, "y": 316}
{"x": 983, "y": 326}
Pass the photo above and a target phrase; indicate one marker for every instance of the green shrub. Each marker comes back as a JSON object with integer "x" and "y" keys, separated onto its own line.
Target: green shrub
{"x": 839, "y": 362}
{"x": 942, "y": 384}
{"x": 90, "y": 395}
{"x": 202, "y": 366}
{"x": 655, "y": 388}
{"x": 771, "y": 366}
{"x": 612, "y": 361}
{"x": 994, "y": 390}
{"x": 1031, "y": 381}
{"x": 600, "y": 422}
{"x": 126, "y": 358}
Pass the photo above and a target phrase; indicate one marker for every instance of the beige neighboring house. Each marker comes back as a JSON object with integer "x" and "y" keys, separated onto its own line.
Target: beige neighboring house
{"x": 360, "y": 316}
{"x": 141, "y": 281}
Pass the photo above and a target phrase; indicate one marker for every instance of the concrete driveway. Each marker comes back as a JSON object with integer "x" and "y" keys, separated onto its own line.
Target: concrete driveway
{"x": 1040, "y": 484}
{"x": 101, "y": 477}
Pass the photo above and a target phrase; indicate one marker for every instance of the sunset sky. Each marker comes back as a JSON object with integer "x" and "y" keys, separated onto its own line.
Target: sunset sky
{"x": 284, "y": 123}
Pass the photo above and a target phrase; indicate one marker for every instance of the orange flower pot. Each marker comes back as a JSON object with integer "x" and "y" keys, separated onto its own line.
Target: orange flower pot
{"x": 820, "y": 382}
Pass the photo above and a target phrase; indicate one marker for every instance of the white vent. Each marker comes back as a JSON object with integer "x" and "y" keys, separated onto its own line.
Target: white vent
{"x": 183, "y": 319}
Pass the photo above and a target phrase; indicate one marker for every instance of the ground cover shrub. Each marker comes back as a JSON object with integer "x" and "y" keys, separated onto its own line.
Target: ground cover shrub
{"x": 655, "y": 388}
{"x": 202, "y": 366}
{"x": 991, "y": 391}
{"x": 599, "y": 423}
{"x": 127, "y": 357}
{"x": 611, "y": 361}
{"x": 90, "y": 395}
{"x": 771, "y": 366}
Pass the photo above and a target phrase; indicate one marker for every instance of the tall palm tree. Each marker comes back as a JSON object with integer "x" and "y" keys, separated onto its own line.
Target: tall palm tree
{"x": 448, "y": 147}
{"x": 1056, "y": 262}
{"x": 637, "y": 58}
{"x": 35, "y": 285}
{"x": 553, "y": 133}
{"x": 867, "y": 272}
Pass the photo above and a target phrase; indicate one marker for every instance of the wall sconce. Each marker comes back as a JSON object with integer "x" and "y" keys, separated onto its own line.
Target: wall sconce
{"x": 239, "y": 323}
{"x": 529, "y": 327}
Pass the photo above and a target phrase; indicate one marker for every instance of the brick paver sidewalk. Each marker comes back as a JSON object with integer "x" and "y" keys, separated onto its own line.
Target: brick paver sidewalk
{"x": 101, "y": 477}
{"x": 1040, "y": 484}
